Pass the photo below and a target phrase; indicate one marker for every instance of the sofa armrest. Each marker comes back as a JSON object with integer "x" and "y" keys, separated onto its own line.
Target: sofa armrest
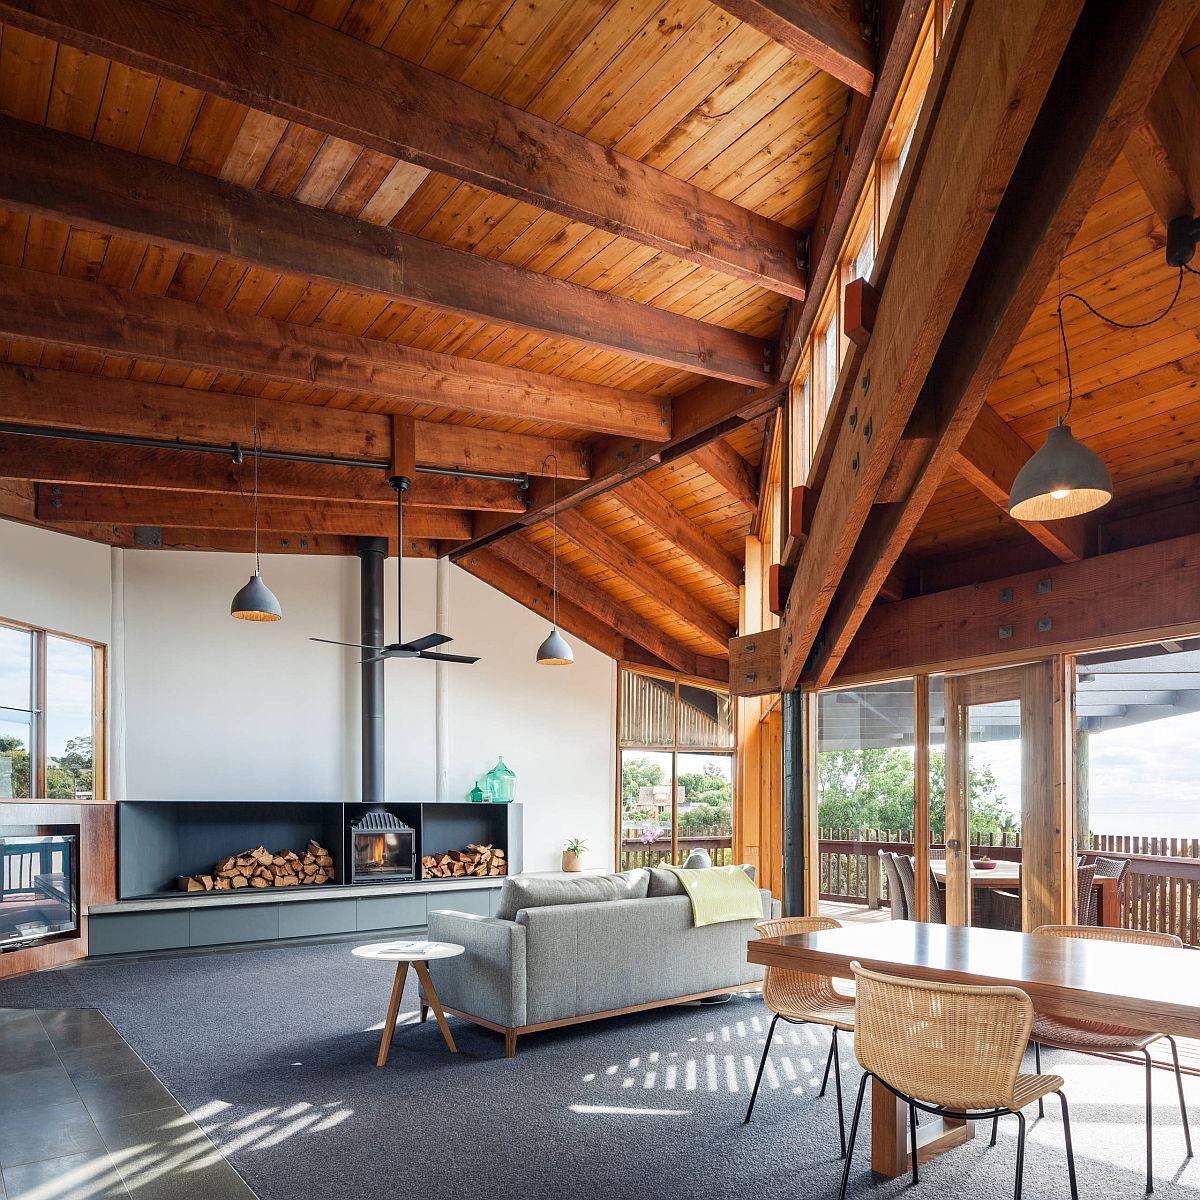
{"x": 489, "y": 979}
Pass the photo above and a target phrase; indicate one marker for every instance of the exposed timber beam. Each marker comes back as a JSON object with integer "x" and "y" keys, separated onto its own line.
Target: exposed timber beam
{"x": 831, "y": 34}
{"x": 105, "y": 320}
{"x": 231, "y": 541}
{"x": 527, "y": 557}
{"x": 724, "y": 464}
{"x": 98, "y": 404}
{"x": 989, "y": 458}
{"x": 1163, "y": 150}
{"x": 1106, "y": 73}
{"x": 60, "y": 460}
{"x": 261, "y": 54}
{"x": 144, "y": 506}
{"x": 660, "y": 588}
{"x": 1149, "y": 592}
{"x": 648, "y": 504}
{"x": 83, "y": 183}
{"x": 863, "y": 130}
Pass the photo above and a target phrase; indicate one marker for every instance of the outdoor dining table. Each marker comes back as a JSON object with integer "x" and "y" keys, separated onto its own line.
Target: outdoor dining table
{"x": 1003, "y": 875}
{"x": 1151, "y": 988}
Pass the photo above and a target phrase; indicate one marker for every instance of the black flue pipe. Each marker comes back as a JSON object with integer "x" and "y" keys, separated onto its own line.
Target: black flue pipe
{"x": 372, "y": 554}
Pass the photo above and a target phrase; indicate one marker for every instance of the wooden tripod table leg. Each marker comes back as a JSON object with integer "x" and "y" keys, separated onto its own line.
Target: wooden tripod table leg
{"x": 389, "y": 1025}
{"x": 434, "y": 1003}
{"x": 890, "y": 1154}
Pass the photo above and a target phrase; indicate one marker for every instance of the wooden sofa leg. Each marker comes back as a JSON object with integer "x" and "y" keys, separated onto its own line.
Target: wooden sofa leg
{"x": 510, "y": 1043}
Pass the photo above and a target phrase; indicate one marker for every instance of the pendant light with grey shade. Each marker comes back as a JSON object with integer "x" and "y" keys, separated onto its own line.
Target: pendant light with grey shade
{"x": 1065, "y": 478}
{"x": 555, "y": 651}
{"x": 255, "y": 601}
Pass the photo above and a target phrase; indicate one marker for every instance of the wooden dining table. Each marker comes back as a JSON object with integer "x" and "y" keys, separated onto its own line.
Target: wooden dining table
{"x": 1150, "y": 988}
{"x": 1003, "y": 875}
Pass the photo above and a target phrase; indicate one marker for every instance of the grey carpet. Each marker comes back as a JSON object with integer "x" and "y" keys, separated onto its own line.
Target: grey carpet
{"x": 273, "y": 1051}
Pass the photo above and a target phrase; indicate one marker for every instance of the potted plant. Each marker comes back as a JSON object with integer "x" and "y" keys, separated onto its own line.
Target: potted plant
{"x": 572, "y": 855}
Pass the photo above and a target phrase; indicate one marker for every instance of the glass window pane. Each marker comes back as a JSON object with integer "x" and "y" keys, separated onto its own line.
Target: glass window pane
{"x": 706, "y": 806}
{"x": 646, "y": 808}
{"x": 705, "y": 717}
{"x": 647, "y": 710}
{"x": 16, "y": 739}
{"x": 866, "y": 770}
{"x": 70, "y": 718}
{"x": 16, "y": 668}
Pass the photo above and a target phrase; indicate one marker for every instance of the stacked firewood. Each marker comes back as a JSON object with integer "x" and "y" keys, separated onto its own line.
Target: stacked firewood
{"x": 474, "y": 860}
{"x": 259, "y": 868}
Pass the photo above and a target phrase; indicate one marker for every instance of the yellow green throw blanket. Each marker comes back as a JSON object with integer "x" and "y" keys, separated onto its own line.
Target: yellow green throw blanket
{"x": 720, "y": 894}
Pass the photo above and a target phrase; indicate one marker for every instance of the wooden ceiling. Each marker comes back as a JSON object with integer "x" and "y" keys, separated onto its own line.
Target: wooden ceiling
{"x": 569, "y": 228}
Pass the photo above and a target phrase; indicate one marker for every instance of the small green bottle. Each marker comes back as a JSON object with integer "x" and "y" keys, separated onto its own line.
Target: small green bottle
{"x": 475, "y": 795}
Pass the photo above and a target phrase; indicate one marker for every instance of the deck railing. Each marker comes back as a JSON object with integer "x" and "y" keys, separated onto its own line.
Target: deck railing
{"x": 1160, "y": 891}
{"x": 638, "y": 853}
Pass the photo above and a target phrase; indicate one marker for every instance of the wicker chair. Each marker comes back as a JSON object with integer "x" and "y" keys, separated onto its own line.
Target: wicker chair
{"x": 950, "y": 1050}
{"x": 1089, "y": 1037}
{"x": 803, "y": 999}
{"x": 908, "y": 881}
{"x": 895, "y": 887}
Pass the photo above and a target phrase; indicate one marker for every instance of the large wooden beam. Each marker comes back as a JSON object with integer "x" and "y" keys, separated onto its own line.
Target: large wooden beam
{"x": 231, "y": 541}
{"x": 1163, "y": 150}
{"x": 989, "y": 458}
{"x": 721, "y": 461}
{"x": 660, "y": 588}
{"x": 61, "y": 460}
{"x": 1106, "y": 74}
{"x": 1149, "y": 592}
{"x": 144, "y": 506}
{"x": 50, "y": 174}
{"x": 261, "y": 54}
{"x": 648, "y": 504}
{"x": 104, "y": 320}
{"x": 527, "y": 557}
{"x": 97, "y": 404}
{"x": 831, "y": 34}
{"x": 865, "y": 126}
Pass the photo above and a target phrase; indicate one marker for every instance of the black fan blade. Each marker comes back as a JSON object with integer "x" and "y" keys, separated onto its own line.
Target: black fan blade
{"x": 459, "y": 658}
{"x": 352, "y": 645}
{"x": 427, "y": 642}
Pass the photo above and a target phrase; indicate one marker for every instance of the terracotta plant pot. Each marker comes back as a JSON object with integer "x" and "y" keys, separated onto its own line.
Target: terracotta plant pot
{"x": 571, "y": 861}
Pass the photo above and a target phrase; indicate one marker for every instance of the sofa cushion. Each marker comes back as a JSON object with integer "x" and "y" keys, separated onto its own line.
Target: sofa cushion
{"x": 698, "y": 860}
{"x": 530, "y": 891}
{"x": 666, "y": 883}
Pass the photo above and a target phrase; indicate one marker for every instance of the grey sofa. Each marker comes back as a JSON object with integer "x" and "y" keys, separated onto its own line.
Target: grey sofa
{"x": 563, "y": 951}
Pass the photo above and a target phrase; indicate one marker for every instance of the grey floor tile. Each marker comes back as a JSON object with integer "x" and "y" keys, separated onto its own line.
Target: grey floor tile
{"x": 100, "y": 1059}
{"x": 26, "y": 1053}
{"x": 14, "y": 1016}
{"x": 72, "y": 1028}
{"x": 112, "y": 1096}
{"x": 176, "y": 1179}
{"x": 90, "y": 1176}
{"x": 38, "y": 1088}
{"x": 52, "y": 1132}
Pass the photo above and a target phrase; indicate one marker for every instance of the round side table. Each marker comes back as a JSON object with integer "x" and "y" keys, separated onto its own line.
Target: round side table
{"x": 418, "y": 952}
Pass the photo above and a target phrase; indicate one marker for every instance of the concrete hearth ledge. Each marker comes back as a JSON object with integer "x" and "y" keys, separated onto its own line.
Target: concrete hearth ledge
{"x": 337, "y": 891}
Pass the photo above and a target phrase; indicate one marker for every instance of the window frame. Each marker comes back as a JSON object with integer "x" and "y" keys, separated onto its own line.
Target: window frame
{"x": 38, "y": 700}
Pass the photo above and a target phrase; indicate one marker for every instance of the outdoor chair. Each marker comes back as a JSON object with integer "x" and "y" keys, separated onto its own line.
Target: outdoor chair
{"x": 908, "y": 881}
{"x": 895, "y": 887}
{"x": 803, "y": 999}
{"x": 952, "y": 1051}
{"x": 1090, "y": 1037}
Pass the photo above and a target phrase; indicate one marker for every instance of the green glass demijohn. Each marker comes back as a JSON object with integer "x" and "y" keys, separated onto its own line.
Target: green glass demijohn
{"x": 498, "y": 783}
{"x": 475, "y": 795}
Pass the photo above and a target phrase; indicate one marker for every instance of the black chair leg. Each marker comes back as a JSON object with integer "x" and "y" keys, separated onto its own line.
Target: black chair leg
{"x": 1037, "y": 1066}
{"x": 828, "y": 1068}
{"x": 1062, "y": 1099}
{"x": 837, "y": 1088}
{"x": 762, "y": 1063}
{"x": 912, "y": 1139}
{"x": 995, "y": 1126}
{"x": 1149, "y": 1123}
{"x": 1020, "y": 1154}
{"x": 862, "y": 1088}
{"x": 1187, "y": 1131}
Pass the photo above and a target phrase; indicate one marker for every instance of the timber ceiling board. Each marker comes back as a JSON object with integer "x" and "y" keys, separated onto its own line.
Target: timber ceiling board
{"x": 683, "y": 87}
{"x": 1137, "y": 392}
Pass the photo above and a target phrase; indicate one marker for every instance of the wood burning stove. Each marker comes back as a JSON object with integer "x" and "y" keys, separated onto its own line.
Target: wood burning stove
{"x": 39, "y": 888}
{"x": 382, "y": 848}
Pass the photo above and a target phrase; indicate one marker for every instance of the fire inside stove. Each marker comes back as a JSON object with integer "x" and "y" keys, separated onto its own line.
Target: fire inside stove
{"x": 384, "y": 847}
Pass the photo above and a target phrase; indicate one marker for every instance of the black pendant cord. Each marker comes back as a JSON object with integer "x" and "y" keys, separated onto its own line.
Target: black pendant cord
{"x": 401, "y": 487}
{"x": 1062, "y": 329}
{"x": 257, "y": 560}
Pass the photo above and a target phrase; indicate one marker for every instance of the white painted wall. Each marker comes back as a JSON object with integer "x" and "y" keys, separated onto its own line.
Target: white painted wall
{"x": 218, "y": 708}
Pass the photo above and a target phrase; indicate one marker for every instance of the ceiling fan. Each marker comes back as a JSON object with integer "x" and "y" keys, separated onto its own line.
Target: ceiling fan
{"x": 422, "y": 647}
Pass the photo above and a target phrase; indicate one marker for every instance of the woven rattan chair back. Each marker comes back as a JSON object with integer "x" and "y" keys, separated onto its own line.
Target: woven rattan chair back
{"x": 797, "y": 994}
{"x": 908, "y": 881}
{"x": 1086, "y": 901}
{"x": 947, "y": 1044}
{"x": 1104, "y": 933}
{"x": 895, "y": 887}
{"x": 1110, "y": 868}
